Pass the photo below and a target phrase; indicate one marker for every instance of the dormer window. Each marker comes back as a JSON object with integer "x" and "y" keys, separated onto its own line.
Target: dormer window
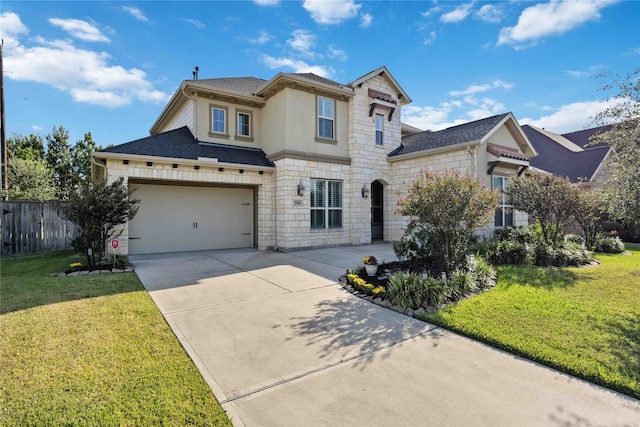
{"x": 326, "y": 118}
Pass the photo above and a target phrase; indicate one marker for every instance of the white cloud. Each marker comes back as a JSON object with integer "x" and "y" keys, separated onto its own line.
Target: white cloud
{"x": 331, "y": 12}
{"x": 430, "y": 118}
{"x": 303, "y": 41}
{"x": 79, "y": 29}
{"x": 569, "y": 118}
{"x": 337, "y": 53}
{"x": 552, "y": 18}
{"x": 196, "y": 23}
{"x": 136, "y": 13}
{"x": 473, "y": 89}
{"x": 365, "y": 20}
{"x": 263, "y": 38}
{"x": 430, "y": 39}
{"x": 12, "y": 27}
{"x": 458, "y": 14}
{"x": 86, "y": 75}
{"x": 297, "y": 66}
{"x": 489, "y": 13}
{"x": 431, "y": 11}
{"x": 266, "y": 2}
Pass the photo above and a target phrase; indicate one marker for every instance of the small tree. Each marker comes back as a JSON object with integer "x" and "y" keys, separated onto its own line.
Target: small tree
{"x": 29, "y": 180}
{"x": 97, "y": 210}
{"x": 549, "y": 199}
{"x": 448, "y": 207}
{"x": 591, "y": 212}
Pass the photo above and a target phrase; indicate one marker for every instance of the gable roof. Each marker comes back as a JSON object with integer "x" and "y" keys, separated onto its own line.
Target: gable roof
{"x": 403, "y": 97}
{"x": 180, "y": 144}
{"x": 460, "y": 134}
{"x": 559, "y": 160}
{"x": 581, "y": 137}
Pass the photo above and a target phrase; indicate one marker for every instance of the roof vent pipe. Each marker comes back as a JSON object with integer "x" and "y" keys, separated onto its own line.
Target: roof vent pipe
{"x": 195, "y": 73}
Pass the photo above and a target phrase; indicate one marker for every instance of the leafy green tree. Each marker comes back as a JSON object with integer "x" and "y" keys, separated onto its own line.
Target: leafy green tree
{"x": 447, "y": 208}
{"x": 81, "y": 160}
{"x": 58, "y": 158}
{"x": 624, "y": 114}
{"x": 29, "y": 180}
{"x": 549, "y": 199}
{"x": 25, "y": 147}
{"x": 97, "y": 210}
{"x": 591, "y": 212}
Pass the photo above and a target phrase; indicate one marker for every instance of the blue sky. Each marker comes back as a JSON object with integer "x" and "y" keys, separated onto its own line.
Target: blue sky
{"x": 109, "y": 67}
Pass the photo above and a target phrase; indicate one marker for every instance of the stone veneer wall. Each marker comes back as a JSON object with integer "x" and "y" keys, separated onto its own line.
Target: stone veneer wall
{"x": 264, "y": 185}
{"x": 368, "y": 160}
{"x": 293, "y": 212}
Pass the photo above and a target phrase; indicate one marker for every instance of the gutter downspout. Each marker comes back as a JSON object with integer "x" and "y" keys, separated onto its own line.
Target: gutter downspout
{"x": 93, "y": 161}
{"x": 195, "y": 113}
{"x": 275, "y": 209}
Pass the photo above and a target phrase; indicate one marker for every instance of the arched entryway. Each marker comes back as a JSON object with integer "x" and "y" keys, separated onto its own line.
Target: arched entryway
{"x": 377, "y": 210}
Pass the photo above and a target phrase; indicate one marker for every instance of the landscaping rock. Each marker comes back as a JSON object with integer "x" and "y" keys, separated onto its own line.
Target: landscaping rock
{"x": 419, "y": 312}
{"x": 105, "y": 271}
{"x": 83, "y": 273}
{"x": 385, "y": 303}
{"x": 431, "y": 309}
{"x": 377, "y": 301}
{"x": 408, "y": 312}
{"x": 73, "y": 273}
{"x": 117, "y": 270}
{"x": 128, "y": 269}
{"x": 368, "y": 298}
{"x": 94, "y": 272}
{"x": 397, "y": 308}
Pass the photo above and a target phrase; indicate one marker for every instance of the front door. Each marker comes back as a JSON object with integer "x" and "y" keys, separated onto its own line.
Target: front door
{"x": 377, "y": 211}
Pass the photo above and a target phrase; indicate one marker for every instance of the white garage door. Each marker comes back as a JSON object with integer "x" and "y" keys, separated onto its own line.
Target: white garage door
{"x": 176, "y": 218}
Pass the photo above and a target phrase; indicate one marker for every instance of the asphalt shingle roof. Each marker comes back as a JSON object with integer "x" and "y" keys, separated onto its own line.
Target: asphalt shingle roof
{"x": 180, "y": 144}
{"x": 553, "y": 157}
{"x": 243, "y": 85}
{"x": 318, "y": 79}
{"x": 581, "y": 137}
{"x": 467, "y": 132}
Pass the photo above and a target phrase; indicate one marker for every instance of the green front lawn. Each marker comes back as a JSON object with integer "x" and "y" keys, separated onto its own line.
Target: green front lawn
{"x": 584, "y": 321}
{"x": 91, "y": 350}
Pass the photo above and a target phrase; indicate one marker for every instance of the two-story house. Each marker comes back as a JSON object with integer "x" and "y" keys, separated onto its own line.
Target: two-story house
{"x": 298, "y": 161}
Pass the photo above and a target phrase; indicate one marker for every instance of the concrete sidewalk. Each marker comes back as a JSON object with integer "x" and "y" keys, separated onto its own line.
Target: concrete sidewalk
{"x": 282, "y": 344}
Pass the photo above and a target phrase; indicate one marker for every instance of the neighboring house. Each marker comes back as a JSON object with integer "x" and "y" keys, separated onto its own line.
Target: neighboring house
{"x": 298, "y": 161}
{"x": 570, "y": 155}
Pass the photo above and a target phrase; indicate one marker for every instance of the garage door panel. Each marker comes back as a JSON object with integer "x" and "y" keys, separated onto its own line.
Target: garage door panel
{"x": 173, "y": 219}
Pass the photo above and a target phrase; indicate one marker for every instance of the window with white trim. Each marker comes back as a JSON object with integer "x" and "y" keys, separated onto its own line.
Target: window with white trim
{"x": 326, "y": 204}
{"x": 244, "y": 124}
{"x": 504, "y": 213}
{"x": 379, "y": 128}
{"x": 219, "y": 120}
{"x": 326, "y": 117}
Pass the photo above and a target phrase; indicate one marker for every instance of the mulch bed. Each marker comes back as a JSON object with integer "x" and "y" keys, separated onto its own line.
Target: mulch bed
{"x": 417, "y": 266}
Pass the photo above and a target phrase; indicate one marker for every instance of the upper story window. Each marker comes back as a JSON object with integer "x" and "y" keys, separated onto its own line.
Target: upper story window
{"x": 218, "y": 120}
{"x": 504, "y": 213}
{"x": 243, "y": 128}
{"x": 326, "y": 203}
{"x": 326, "y": 118}
{"x": 379, "y": 128}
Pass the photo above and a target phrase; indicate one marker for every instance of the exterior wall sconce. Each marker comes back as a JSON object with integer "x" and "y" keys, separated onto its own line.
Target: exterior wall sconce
{"x": 365, "y": 191}
{"x": 301, "y": 189}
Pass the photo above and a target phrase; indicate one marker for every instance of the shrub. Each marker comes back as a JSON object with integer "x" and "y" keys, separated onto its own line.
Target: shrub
{"x": 609, "y": 244}
{"x": 459, "y": 284}
{"x": 484, "y": 274}
{"x": 119, "y": 261}
{"x": 410, "y": 290}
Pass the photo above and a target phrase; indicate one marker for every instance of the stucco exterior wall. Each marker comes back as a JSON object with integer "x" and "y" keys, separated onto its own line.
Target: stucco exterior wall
{"x": 203, "y": 122}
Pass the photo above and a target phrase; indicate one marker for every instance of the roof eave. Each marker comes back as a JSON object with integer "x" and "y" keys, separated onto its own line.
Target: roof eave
{"x": 405, "y": 99}
{"x": 200, "y": 161}
{"x": 437, "y": 150}
{"x": 286, "y": 77}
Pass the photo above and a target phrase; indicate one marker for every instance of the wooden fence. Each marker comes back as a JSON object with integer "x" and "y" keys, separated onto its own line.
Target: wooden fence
{"x": 29, "y": 228}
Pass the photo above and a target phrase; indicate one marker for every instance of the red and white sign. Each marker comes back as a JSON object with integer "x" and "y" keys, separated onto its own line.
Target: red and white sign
{"x": 115, "y": 243}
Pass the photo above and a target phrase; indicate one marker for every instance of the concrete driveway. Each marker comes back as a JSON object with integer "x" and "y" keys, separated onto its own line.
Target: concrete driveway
{"x": 282, "y": 344}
